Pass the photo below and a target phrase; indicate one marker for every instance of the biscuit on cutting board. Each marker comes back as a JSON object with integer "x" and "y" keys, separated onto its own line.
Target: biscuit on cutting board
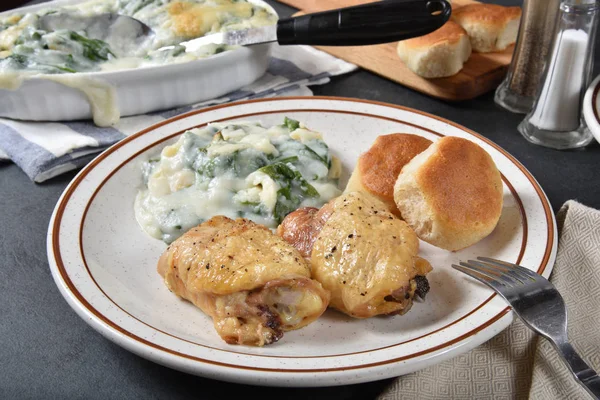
{"x": 438, "y": 54}
{"x": 451, "y": 194}
{"x": 377, "y": 169}
{"x": 490, "y": 27}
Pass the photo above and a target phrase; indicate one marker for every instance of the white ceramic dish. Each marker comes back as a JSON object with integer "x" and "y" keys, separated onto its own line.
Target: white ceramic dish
{"x": 591, "y": 108}
{"x": 105, "y": 265}
{"x": 139, "y": 90}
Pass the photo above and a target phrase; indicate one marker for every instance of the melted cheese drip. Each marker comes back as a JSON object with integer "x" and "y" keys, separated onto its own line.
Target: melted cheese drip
{"x": 10, "y": 80}
{"x": 101, "y": 97}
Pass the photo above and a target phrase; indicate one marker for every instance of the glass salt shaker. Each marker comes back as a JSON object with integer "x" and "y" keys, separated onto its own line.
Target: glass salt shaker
{"x": 536, "y": 31}
{"x": 556, "y": 120}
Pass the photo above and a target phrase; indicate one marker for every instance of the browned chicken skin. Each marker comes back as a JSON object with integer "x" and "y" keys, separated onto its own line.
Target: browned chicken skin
{"x": 302, "y": 227}
{"x": 363, "y": 254}
{"x": 252, "y": 283}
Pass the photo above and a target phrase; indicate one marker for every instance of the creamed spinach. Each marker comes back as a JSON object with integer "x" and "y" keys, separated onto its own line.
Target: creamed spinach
{"x": 235, "y": 170}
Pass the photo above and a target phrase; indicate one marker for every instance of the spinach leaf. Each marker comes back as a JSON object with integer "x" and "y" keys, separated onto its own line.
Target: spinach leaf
{"x": 293, "y": 188}
{"x": 279, "y": 171}
{"x": 249, "y": 161}
{"x": 212, "y": 167}
{"x": 291, "y": 124}
{"x": 65, "y": 69}
{"x": 307, "y": 151}
{"x": 208, "y": 167}
{"x": 286, "y": 160}
{"x": 19, "y": 59}
{"x": 93, "y": 49}
{"x": 69, "y": 65}
{"x": 240, "y": 163}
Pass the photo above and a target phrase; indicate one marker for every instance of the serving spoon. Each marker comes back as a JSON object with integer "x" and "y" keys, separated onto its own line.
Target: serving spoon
{"x": 373, "y": 23}
{"x": 125, "y": 35}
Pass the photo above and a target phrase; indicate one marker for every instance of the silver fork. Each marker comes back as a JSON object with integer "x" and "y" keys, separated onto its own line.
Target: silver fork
{"x": 537, "y": 302}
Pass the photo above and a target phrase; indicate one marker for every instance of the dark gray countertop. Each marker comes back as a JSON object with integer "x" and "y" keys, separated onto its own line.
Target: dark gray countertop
{"x": 47, "y": 351}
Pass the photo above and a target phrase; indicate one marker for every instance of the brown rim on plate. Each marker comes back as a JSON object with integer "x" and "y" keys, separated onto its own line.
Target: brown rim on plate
{"x": 166, "y": 138}
{"x": 68, "y": 193}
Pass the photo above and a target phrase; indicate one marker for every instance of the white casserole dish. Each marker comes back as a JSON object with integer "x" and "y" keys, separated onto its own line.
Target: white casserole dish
{"x": 133, "y": 91}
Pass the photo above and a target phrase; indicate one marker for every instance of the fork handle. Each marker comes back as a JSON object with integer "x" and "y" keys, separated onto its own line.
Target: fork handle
{"x": 586, "y": 376}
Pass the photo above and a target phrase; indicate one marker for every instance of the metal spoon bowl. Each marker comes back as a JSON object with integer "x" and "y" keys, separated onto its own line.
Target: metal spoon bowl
{"x": 124, "y": 34}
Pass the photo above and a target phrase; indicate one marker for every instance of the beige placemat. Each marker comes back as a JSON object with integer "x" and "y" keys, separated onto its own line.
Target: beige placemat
{"x": 517, "y": 364}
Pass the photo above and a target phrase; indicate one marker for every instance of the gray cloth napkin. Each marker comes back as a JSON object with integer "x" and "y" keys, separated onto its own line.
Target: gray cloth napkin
{"x": 47, "y": 149}
{"x": 517, "y": 364}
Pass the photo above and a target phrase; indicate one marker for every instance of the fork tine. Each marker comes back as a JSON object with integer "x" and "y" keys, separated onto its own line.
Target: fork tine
{"x": 524, "y": 272}
{"x": 478, "y": 276}
{"x": 490, "y": 272}
{"x": 498, "y": 262}
{"x": 505, "y": 272}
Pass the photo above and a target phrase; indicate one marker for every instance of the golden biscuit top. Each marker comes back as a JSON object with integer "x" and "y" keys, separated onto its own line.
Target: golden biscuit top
{"x": 461, "y": 183}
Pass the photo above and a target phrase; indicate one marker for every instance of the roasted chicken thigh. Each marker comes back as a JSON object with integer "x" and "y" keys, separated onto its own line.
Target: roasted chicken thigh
{"x": 362, "y": 253}
{"x": 252, "y": 283}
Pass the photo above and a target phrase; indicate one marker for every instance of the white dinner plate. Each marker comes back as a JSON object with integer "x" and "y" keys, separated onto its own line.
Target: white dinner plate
{"x": 105, "y": 265}
{"x": 591, "y": 108}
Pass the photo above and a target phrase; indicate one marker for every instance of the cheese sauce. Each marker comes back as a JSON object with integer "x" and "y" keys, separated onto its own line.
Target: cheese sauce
{"x": 235, "y": 170}
{"x": 27, "y": 48}
{"x": 101, "y": 97}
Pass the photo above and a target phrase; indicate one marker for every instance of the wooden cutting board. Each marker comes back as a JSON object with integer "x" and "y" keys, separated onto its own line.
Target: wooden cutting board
{"x": 482, "y": 73}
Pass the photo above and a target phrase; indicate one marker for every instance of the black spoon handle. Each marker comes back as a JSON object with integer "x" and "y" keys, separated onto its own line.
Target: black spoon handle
{"x": 373, "y": 23}
{"x": 10, "y": 4}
